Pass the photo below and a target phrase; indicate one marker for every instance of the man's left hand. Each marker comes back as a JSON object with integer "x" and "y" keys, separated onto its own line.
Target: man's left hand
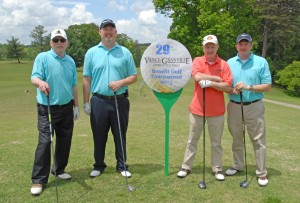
{"x": 76, "y": 112}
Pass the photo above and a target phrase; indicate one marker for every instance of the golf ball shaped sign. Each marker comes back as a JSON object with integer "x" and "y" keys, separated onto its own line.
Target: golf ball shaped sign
{"x": 166, "y": 66}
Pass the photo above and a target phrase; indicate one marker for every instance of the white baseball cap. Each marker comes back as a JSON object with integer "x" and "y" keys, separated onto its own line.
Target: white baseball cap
{"x": 58, "y": 32}
{"x": 209, "y": 39}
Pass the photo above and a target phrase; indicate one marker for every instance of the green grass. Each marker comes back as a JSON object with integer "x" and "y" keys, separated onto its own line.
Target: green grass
{"x": 18, "y": 133}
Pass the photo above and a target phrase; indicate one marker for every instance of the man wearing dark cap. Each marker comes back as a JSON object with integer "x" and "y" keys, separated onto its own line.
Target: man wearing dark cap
{"x": 251, "y": 77}
{"x": 108, "y": 70}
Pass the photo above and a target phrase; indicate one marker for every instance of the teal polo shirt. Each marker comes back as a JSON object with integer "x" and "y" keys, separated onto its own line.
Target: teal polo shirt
{"x": 254, "y": 71}
{"x": 105, "y": 66}
{"x": 59, "y": 73}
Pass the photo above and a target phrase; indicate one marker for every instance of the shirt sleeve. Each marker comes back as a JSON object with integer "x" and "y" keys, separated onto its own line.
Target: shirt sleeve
{"x": 227, "y": 75}
{"x": 196, "y": 67}
{"x": 265, "y": 74}
{"x": 38, "y": 70}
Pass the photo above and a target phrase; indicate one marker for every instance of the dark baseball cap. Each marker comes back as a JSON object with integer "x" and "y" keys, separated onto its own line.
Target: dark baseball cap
{"x": 107, "y": 22}
{"x": 244, "y": 36}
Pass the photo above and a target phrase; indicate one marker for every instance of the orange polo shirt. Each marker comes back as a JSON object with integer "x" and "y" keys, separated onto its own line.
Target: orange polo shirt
{"x": 214, "y": 99}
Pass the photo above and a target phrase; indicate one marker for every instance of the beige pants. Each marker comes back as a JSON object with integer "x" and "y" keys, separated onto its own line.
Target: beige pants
{"x": 215, "y": 128}
{"x": 255, "y": 125}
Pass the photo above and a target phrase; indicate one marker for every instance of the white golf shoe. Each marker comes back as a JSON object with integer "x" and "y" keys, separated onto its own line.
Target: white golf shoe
{"x": 36, "y": 189}
{"x": 64, "y": 176}
{"x": 95, "y": 173}
{"x": 219, "y": 176}
{"x": 125, "y": 173}
{"x": 183, "y": 173}
{"x": 263, "y": 181}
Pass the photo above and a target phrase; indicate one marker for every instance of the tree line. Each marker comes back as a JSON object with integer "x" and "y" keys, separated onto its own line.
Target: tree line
{"x": 81, "y": 38}
{"x": 273, "y": 24}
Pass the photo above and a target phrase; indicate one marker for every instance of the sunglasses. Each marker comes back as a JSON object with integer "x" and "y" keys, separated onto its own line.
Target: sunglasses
{"x": 62, "y": 40}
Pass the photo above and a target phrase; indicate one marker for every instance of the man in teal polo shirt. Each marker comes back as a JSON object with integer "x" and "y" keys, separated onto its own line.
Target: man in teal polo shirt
{"x": 108, "y": 69}
{"x": 251, "y": 77}
{"x": 54, "y": 75}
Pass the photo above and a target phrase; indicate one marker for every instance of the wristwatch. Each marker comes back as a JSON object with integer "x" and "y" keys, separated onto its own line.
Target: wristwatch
{"x": 251, "y": 88}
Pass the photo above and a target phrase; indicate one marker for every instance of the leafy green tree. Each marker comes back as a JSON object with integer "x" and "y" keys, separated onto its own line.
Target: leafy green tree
{"x": 2, "y": 52}
{"x": 193, "y": 19}
{"x": 279, "y": 28}
{"x": 289, "y": 77}
{"x": 15, "y": 50}
{"x": 40, "y": 41}
{"x": 81, "y": 38}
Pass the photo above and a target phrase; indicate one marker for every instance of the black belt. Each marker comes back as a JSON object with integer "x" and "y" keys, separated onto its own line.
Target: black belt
{"x": 109, "y": 97}
{"x": 55, "y": 106}
{"x": 245, "y": 103}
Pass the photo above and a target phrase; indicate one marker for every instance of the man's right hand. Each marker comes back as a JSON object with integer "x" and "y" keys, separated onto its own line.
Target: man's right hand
{"x": 87, "y": 108}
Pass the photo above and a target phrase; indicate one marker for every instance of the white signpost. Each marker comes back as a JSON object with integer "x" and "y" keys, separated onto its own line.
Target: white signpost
{"x": 166, "y": 68}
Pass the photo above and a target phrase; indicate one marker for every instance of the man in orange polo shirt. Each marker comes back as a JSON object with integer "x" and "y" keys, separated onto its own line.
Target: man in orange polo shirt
{"x": 212, "y": 73}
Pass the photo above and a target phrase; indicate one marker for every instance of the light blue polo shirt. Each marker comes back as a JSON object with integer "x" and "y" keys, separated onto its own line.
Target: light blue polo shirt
{"x": 105, "y": 66}
{"x": 59, "y": 73}
{"x": 254, "y": 71}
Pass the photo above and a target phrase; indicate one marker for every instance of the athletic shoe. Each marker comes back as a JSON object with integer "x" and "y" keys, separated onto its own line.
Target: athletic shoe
{"x": 232, "y": 171}
{"x": 36, "y": 189}
{"x": 219, "y": 176}
{"x": 64, "y": 176}
{"x": 263, "y": 181}
{"x": 183, "y": 173}
{"x": 94, "y": 173}
{"x": 125, "y": 173}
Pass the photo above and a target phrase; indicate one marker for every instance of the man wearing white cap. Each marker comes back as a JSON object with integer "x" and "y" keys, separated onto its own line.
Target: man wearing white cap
{"x": 54, "y": 75}
{"x": 213, "y": 74}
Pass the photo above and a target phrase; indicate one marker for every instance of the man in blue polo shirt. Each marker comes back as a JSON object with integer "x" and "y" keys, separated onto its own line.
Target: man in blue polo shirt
{"x": 251, "y": 77}
{"x": 54, "y": 75}
{"x": 108, "y": 69}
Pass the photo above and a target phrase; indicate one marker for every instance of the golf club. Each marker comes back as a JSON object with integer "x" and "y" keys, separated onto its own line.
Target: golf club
{"x": 129, "y": 187}
{"x": 202, "y": 183}
{"x": 52, "y": 146}
{"x": 244, "y": 184}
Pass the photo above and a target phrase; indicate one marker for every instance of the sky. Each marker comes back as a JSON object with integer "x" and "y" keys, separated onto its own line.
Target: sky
{"x": 135, "y": 18}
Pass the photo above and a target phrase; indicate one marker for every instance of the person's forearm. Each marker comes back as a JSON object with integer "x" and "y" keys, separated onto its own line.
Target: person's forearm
{"x": 86, "y": 89}
{"x": 202, "y": 76}
{"x": 259, "y": 88}
{"x": 221, "y": 86}
{"x": 128, "y": 81}
{"x": 75, "y": 96}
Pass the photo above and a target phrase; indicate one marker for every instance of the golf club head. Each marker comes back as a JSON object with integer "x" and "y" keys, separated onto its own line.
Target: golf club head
{"x": 130, "y": 188}
{"x": 202, "y": 185}
{"x": 244, "y": 184}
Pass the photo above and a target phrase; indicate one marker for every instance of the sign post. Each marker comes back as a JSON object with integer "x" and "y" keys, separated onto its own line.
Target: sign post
{"x": 166, "y": 67}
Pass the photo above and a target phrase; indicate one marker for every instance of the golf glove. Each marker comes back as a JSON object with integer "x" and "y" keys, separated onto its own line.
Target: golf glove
{"x": 87, "y": 108}
{"x": 205, "y": 83}
{"x": 76, "y": 112}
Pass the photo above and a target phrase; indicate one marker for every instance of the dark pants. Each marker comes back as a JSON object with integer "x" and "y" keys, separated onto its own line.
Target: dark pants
{"x": 104, "y": 118}
{"x": 62, "y": 125}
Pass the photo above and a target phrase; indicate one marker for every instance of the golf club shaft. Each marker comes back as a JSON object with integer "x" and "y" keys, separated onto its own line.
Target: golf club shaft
{"x": 244, "y": 138}
{"x": 52, "y": 146}
{"x": 204, "y": 135}
{"x": 120, "y": 133}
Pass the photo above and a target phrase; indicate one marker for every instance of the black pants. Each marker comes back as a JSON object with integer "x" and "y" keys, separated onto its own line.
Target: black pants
{"x": 62, "y": 125}
{"x": 103, "y": 118}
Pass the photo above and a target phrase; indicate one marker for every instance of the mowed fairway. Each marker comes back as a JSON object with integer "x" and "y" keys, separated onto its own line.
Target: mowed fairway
{"x": 145, "y": 144}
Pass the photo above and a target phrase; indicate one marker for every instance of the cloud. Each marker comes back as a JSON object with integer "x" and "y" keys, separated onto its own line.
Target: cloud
{"x": 19, "y": 17}
{"x": 136, "y": 19}
{"x": 114, "y": 5}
